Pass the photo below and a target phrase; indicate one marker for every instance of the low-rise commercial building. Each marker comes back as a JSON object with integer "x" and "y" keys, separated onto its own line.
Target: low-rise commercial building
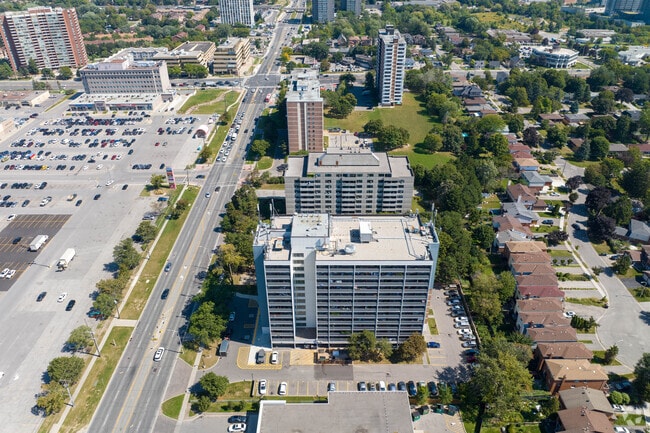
{"x": 555, "y": 57}
{"x": 192, "y": 53}
{"x": 118, "y": 102}
{"x": 122, "y": 74}
{"x": 322, "y": 277}
{"x": 231, "y": 56}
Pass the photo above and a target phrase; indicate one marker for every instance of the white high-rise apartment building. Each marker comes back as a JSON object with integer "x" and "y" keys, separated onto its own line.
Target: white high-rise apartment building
{"x": 391, "y": 57}
{"x": 235, "y": 12}
{"x": 321, "y": 277}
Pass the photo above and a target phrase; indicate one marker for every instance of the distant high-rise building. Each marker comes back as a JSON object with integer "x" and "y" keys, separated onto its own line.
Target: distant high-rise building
{"x": 322, "y": 11}
{"x": 51, "y": 37}
{"x": 305, "y": 113}
{"x": 613, "y": 7}
{"x": 237, "y": 12}
{"x": 391, "y": 56}
{"x": 348, "y": 180}
{"x": 353, "y": 6}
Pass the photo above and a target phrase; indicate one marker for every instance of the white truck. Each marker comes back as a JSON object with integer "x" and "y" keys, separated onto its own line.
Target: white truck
{"x": 65, "y": 259}
{"x": 38, "y": 242}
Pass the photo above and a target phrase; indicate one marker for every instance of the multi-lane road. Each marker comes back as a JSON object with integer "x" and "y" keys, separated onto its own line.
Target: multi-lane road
{"x": 132, "y": 400}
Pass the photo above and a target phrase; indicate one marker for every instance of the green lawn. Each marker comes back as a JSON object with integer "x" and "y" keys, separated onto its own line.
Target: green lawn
{"x": 425, "y": 160}
{"x": 593, "y": 302}
{"x": 433, "y": 328}
{"x": 201, "y": 97}
{"x": 172, "y": 407}
{"x": 410, "y": 115}
{"x": 630, "y": 419}
{"x": 265, "y": 163}
{"x": 641, "y": 294}
{"x": 492, "y": 202}
{"x": 599, "y": 358}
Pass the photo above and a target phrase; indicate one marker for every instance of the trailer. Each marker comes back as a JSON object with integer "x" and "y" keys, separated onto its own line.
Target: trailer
{"x": 65, "y": 259}
{"x": 223, "y": 348}
{"x": 38, "y": 242}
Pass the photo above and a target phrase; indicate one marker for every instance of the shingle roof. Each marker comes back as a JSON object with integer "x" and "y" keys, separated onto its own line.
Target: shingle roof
{"x": 553, "y": 335}
{"x": 584, "y": 421}
{"x": 539, "y": 305}
{"x": 591, "y": 399}
{"x": 565, "y": 350}
{"x": 575, "y": 370}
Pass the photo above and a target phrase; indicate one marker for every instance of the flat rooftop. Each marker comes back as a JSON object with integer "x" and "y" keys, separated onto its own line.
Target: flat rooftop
{"x": 304, "y": 87}
{"x": 339, "y": 238}
{"x": 345, "y": 412}
{"x": 346, "y": 160}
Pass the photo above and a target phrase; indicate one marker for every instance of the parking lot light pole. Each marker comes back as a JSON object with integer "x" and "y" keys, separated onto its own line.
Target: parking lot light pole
{"x": 92, "y": 335}
{"x": 117, "y": 307}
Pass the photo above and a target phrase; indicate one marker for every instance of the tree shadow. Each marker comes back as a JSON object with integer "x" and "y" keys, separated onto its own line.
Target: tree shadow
{"x": 111, "y": 267}
{"x": 645, "y": 316}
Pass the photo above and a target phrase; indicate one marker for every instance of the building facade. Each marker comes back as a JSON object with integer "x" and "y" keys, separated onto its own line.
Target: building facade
{"x": 192, "y": 53}
{"x": 613, "y": 7}
{"x": 322, "y": 11}
{"x": 321, "y": 278}
{"x": 348, "y": 181}
{"x": 353, "y": 6}
{"x": 51, "y": 37}
{"x": 122, "y": 74}
{"x": 305, "y": 113}
{"x": 231, "y": 56}
{"x": 235, "y": 12}
{"x": 391, "y": 56}
{"x": 555, "y": 57}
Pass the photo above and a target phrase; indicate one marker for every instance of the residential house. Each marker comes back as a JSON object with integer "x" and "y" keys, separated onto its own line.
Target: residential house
{"x": 639, "y": 231}
{"x": 521, "y": 193}
{"x": 525, "y": 247}
{"x": 535, "y": 181}
{"x": 518, "y": 210}
{"x": 542, "y": 305}
{"x": 587, "y": 398}
{"x": 528, "y": 292}
{"x": 540, "y": 257}
{"x": 563, "y": 350}
{"x": 509, "y": 229}
{"x": 643, "y": 148}
{"x": 539, "y": 319}
{"x": 551, "y": 118}
{"x": 645, "y": 257}
{"x": 635, "y": 257}
{"x": 576, "y": 119}
{"x": 532, "y": 269}
{"x": 561, "y": 374}
{"x": 617, "y": 149}
{"x": 526, "y": 164}
{"x": 575, "y": 143}
{"x": 561, "y": 334}
{"x": 581, "y": 420}
{"x": 468, "y": 91}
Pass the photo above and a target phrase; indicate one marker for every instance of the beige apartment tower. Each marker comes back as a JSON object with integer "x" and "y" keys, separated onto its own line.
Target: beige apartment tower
{"x": 51, "y": 37}
{"x": 231, "y": 56}
{"x": 305, "y": 113}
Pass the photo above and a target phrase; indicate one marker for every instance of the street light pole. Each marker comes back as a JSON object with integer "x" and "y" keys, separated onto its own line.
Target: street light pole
{"x": 67, "y": 388}
{"x": 92, "y": 334}
{"x": 117, "y": 307}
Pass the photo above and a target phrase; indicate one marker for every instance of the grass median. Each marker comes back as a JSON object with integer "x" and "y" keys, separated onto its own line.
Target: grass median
{"x": 140, "y": 293}
{"x": 172, "y": 407}
{"x": 95, "y": 384}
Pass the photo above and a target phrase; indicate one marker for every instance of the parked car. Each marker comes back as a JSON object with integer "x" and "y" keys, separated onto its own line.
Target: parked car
{"x": 412, "y": 390}
{"x": 70, "y": 305}
{"x": 237, "y": 419}
{"x": 239, "y": 427}
{"x": 41, "y": 296}
{"x": 361, "y": 386}
{"x": 282, "y": 390}
{"x": 260, "y": 358}
{"x": 392, "y": 387}
{"x": 401, "y": 386}
{"x": 275, "y": 357}
{"x": 331, "y": 387}
{"x": 549, "y": 222}
{"x": 62, "y": 297}
{"x": 262, "y": 387}
{"x": 433, "y": 345}
{"x": 433, "y": 389}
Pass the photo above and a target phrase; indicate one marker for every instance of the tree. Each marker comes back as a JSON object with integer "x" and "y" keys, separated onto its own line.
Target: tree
{"x": 532, "y": 137}
{"x": 597, "y": 199}
{"x": 373, "y": 127}
{"x": 490, "y": 123}
{"x": 484, "y": 236}
{"x": 636, "y": 181}
{"x": 622, "y": 264}
{"x": 611, "y": 168}
{"x": 610, "y": 355}
{"x": 599, "y": 148}
{"x": 601, "y": 228}
{"x": 557, "y": 236}
{"x": 5, "y": 71}
{"x": 550, "y": 406}
{"x": 213, "y": 386}
{"x": 432, "y": 142}
{"x": 422, "y": 395}
{"x": 202, "y": 404}
{"x": 105, "y": 304}
{"x": 642, "y": 377}
{"x": 205, "y": 325}
{"x": 574, "y": 182}
{"x": 603, "y": 103}
{"x": 53, "y": 400}
{"x": 79, "y": 338}
{"x": 126, "y": 255}
{"x": 65, "y": 73}
{"x": 47, "y": 73}
{"x": 484, "y": 299}
{"x": 594, "y": 177}
{"x": 65, "y": 369}
{"x": 444, "y": 394}
{"x": 157, "y": 181}
{"x": 452, "y": 138}
{"x": 557, "y": 136}
{"x": 32, "y": 67}
{"x": 146, "y": 232}
{"x": 498, "y": 384}
{"x": 317, "y": 50}
{"x": 412, "y": 348}
{"x": 573, "y": 197}
{"x": 259, "y": 147}
{"x": 369, "y": 84}
{"x": 621, "y": 210}
{"x": 230, "y": 259}
{"x": 364, "y": 346}
{"x": 391, "y": 137}
{"x": 574, "y": 107}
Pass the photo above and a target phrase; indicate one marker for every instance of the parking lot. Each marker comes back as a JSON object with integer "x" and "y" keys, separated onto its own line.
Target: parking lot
{"x": 15, "y": 240}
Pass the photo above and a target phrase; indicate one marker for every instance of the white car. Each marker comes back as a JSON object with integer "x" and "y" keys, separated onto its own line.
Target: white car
{"x": 464, "y": 331}
{"x": 11, "y": 217}
{"x": 10, "y": 274}
{"x": 159, "y": 354}
{"x": 262, "y": 387}
{"x": 4, "y": 272}
{"x": 282, "y": 390}
{"x": 275, "y": 357}
{"x": 62, "y": 297}
{"x": 461, "y": 325}
{"x": 461, "y": 319}
{"x": 569, "y": 314}
{"x": 100, "y": 166}
{"x": 109, "y": 182}
{"x": 621, "y": 430}
{"x": 237, "y": 427}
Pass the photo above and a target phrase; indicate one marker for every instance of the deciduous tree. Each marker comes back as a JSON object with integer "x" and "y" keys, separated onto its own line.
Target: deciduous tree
{"x": 412, "y": 348}
{"x": 65, "y": 369}
{"x": 213, "y": 386}
{"x": 79, "y": 338}
{"x": 364, "y": 346}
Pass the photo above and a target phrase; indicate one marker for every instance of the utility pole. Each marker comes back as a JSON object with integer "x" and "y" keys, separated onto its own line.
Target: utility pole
{"x": 67, "y": 388}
